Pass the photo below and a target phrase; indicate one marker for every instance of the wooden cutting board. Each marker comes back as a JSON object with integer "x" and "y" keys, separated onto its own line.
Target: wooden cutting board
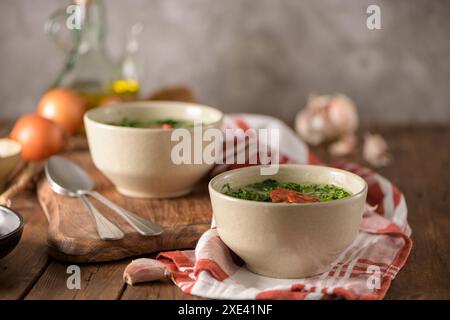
{"x": 72, "y": 236}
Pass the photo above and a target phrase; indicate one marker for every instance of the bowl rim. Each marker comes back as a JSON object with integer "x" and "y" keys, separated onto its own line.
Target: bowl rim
{"x": 284, "y": 204}
{"x": 16, "y": 230}
{"x": 149, "y": 104}
{"x": 16, "y": 152}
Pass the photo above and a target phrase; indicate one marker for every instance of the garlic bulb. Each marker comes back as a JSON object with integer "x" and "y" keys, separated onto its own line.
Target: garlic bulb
{"x": 375, "y": 150}
{"x": 145, "y": 270}
{"x": 326, "y": 118}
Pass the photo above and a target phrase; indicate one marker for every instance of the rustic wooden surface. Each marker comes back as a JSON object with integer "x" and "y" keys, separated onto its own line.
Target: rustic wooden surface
{"x": 421, "y": 169}
{"x": 73, "y": 237}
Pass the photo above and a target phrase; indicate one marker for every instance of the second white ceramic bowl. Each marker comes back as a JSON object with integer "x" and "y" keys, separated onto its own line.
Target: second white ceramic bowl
{"x": 284, "y": 240}
{"x": 138, "y": 161}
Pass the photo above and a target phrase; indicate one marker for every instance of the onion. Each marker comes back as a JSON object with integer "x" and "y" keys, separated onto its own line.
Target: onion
{"x": 64, "y": 107}
{"x": 40, "y": 138}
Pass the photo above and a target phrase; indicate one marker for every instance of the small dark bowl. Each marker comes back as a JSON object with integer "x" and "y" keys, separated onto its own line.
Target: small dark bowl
{"x": 11, "y": 227}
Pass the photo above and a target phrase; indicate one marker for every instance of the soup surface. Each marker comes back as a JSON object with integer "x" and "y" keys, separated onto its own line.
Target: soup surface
{"x": 155, "y": 123}
{"x": 273, "y": 191}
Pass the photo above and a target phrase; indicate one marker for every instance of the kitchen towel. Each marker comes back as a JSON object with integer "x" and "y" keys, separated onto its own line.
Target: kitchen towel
{"x": 363, "y": 271}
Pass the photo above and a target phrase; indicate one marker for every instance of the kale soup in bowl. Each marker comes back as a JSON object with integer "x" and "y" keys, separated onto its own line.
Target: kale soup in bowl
{"x": 292, "y": 224}
{"x": 132, "y": 145}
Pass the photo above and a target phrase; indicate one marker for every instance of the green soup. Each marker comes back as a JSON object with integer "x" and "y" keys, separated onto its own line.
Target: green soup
{"x": 273, "y": 191}
{"x": 154, "y": 123}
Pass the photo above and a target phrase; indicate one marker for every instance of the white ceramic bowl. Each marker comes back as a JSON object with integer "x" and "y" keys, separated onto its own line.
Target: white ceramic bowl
{"x": 9, "y": 158}
{"x": 138, "y": 161}
{"x": 285, "y": 240}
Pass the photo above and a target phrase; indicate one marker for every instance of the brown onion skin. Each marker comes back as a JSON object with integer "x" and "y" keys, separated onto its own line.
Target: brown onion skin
{"x": 64, "y": 107}
{"x": 40, "y": 138}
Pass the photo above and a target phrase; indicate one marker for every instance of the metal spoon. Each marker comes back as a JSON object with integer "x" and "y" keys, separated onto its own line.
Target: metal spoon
{"x": 67, "y": 185}
{"x": 64, "y": 174}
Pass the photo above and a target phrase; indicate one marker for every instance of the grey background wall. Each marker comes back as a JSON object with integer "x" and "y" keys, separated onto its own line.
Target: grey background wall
{"x": 263, "y": 56}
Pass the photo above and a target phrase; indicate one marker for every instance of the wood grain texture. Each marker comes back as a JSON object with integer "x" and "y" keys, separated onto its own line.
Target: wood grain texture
{"x": 158, "y": 290}
{"x": 72, "y": 235}
{"x": 420, "y": 168}
{"x": 98, "y": 281}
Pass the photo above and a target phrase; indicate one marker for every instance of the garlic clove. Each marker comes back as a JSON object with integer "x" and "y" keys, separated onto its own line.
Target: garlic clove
{"x": 375, "y": 150}
{"x": 344, "y": 146}
{"x": 304, "y": 126}
{"x": 342, "y": 114}
{"x": 145, "y": 270}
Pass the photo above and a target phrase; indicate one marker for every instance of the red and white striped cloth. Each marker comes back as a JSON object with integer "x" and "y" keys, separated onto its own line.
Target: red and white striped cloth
{"x": 379, "y": 251}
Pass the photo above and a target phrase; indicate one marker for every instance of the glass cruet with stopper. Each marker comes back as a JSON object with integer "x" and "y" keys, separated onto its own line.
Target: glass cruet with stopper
{"x": 88, "y": 68}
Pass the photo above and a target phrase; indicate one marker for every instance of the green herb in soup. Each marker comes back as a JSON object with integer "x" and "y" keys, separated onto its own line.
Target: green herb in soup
{"x": 155, "y": 123}
{"x": 273, "y": 191}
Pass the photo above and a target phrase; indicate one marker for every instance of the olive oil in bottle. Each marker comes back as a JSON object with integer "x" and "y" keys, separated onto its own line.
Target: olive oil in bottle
{"x": 88, "y": 69}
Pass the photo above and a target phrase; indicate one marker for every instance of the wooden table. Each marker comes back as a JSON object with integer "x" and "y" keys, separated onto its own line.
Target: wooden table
{"x": 420, "y": 167}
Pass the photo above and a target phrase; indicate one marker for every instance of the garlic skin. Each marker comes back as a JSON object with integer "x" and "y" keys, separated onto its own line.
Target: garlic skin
{"x": 326, "y": 118}
{"x": 145, "y": 270}
{"x": 344, "y": 146}
{"x": 375, "y": 150}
